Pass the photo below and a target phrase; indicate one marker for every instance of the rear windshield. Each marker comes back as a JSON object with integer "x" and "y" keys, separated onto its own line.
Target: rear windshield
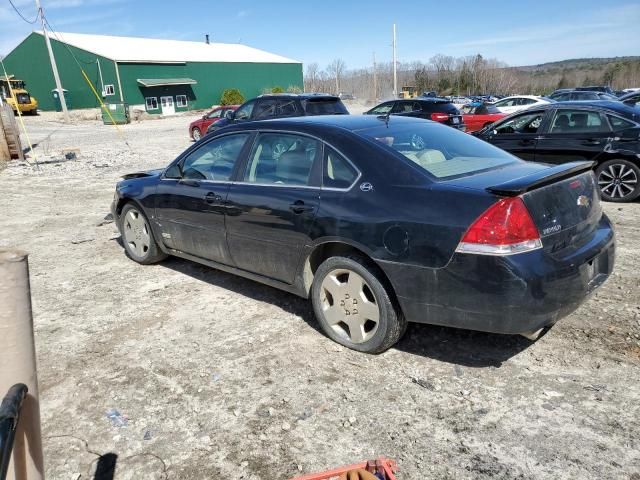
{"x": 440, "y": 107}
{"x": 325, "y": 106}
{"x": 442, "y": 152}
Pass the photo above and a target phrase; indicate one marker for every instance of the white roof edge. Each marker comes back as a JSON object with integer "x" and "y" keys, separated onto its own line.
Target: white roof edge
{"x": 152, "y": 50}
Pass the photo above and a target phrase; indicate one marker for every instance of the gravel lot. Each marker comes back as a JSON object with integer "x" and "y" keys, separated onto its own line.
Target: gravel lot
{"x": 220, "y": 377}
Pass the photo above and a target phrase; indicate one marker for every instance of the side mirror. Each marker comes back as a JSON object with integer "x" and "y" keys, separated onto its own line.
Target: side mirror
{"x": 230, "y": 115}
{"x": 174, "y": 171}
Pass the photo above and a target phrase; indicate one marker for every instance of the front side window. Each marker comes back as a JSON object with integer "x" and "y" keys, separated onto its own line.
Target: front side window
{"x": 281, "y": 159}
{"x": 382, "y": 109}
{"x": 244, "y": 112}
{"x": 338, "y": 172}
{"x": 527, "y": 123}
{"x": 265, "y": 109}
{"x": 151, "y": 103}
{"x": 181, "y": 100}
{"x": 214, "y": 160}
{"x": 215, "y": 114}
{"x": 577, "y": 121}
{"x": 440, "y": 151}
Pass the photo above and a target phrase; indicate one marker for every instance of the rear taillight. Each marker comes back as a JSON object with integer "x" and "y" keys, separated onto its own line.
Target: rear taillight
{"x": 439, "y": 117}
{"x": 505, "y": 228}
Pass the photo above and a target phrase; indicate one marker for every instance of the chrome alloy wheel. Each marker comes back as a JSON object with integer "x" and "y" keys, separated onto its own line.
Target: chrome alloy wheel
{"x": 349, "y": 306}
{"x": 617, "y": 181}
{"x": 136, "y": 232}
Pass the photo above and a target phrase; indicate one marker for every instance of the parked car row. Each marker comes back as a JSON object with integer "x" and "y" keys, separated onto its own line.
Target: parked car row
{"x": 536, "y": 129}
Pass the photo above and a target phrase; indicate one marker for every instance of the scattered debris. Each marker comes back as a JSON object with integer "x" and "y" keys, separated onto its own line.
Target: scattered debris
{"x": 215, "y": 377}
{"x": 147, "y": 435}
{"x": 423, "y": 383}
{"x": 596, "y": 387}
{"x": 77, "y": 241}
{"x": 116, "y": 418}
{"x": 105, "y": 221}
{"x": 286, "y": 427}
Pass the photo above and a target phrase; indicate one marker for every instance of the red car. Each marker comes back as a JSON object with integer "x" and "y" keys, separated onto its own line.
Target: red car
{"x": 478, "y": 115}
{"x": 198, "y": 128}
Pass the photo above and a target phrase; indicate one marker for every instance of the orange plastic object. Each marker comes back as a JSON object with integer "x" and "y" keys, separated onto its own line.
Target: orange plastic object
{"x": 382, "y": 465}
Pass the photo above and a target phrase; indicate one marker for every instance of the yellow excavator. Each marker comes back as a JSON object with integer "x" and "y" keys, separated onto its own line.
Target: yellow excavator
{"x": 20, "y": 100}
{"x": 408, "y": 91}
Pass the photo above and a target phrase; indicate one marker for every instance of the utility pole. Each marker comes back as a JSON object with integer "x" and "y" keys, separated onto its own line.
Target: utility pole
{"x": 54, "y": 67}
{"x": 395, "y": 65}
{"x": 375, "y": 79}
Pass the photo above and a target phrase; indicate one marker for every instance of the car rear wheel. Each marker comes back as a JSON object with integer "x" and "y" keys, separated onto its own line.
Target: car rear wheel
{"x": 137, "y": 236}
{"x": 619, "y": 180}
{"x": 353, "y": 306}
{"x": 196, "y": 134}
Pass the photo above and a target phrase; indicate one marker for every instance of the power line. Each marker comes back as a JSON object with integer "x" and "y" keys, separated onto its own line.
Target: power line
{"x": 22, "y": 16}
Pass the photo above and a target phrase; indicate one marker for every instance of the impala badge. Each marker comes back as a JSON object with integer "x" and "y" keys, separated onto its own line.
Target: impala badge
{"x": 583, "y": 201}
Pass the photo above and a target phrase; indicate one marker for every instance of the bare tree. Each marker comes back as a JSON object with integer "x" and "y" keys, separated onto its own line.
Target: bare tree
{"x": 312, "y": 78}
{"x": 336, "y": 69}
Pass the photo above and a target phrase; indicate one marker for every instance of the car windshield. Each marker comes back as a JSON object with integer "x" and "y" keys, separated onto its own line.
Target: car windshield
{"x": 441, "y": 151}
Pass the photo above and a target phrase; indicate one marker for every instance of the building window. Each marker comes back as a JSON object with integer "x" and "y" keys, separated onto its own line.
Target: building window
{"x": 152, "y": 103}
{"x": 109, "y": 90}
{"x": 181, "y": 100}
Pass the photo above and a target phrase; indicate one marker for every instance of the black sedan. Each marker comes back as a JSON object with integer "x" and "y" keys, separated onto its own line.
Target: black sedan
{"x": 379, "y": 221}
{"x": 430, "y": 108}
{"x": 607, "y": 133}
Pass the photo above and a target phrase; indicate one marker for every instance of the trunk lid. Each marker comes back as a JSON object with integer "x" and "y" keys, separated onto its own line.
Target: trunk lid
{"x": 566, "y": 212}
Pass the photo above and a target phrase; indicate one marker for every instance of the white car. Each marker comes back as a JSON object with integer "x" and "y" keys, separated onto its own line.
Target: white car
{"x": 519, "y": 102}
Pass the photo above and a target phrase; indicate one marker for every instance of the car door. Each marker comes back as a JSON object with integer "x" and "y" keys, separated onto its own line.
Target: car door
{"x": 273, "y": 204}
{"x": 190, "y": 198}
{"x": 518, "y": 134}
{"x": 573, "y": 134}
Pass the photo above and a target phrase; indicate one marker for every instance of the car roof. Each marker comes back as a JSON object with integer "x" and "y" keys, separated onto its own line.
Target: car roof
{"x": 535, "y": 97}
{"x": 347, "y": 122}
{"x": 611, "y": 105}
{"x": 301, "y": 96}
{"x": 630, "y": 95}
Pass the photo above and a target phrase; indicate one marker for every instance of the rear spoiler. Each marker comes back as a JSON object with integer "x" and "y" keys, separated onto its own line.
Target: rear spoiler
{"x": 540, "y": 178}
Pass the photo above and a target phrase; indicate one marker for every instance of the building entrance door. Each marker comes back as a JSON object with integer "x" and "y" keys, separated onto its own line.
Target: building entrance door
{"x": 168, "y": 107}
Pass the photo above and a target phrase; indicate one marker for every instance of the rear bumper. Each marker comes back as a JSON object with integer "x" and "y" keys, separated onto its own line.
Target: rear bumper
{"x": 509, "y": 294}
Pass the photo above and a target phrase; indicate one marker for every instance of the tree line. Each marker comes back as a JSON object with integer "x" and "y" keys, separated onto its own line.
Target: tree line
{"x": 470, "y": 75}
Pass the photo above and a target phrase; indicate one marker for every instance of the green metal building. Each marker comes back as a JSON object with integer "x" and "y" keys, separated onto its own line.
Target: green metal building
{"x": 161, "y": 76}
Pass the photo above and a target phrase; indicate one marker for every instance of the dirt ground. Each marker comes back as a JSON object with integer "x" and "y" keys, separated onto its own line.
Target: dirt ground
{"x": 220, "y": 377}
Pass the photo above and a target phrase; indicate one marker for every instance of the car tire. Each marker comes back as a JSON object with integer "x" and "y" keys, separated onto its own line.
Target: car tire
{"x": 354, "y": 307}
{"x": 196, "y": 134}
{"x": 618, "y": 180}
{"x": 137, "y": 236}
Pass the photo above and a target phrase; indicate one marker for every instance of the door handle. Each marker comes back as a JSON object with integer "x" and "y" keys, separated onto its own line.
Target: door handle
{"x": 212, "y": 198}
{"x": 591, "y": 141}
{"x": 527, "y": 141}
{"x": 299, "y": 207}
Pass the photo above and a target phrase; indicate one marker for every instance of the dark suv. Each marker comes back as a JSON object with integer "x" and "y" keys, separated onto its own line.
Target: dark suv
{"x": 432, "y": 108}
{"x": 283, "y": 105}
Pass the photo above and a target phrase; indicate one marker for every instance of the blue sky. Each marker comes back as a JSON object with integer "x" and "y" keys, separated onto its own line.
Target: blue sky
{"x": 521, "y": 33}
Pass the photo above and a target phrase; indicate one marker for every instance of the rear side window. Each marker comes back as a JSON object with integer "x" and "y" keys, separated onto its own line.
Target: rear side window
{"x": 265, "y": 109}
{"x": 325, "y": 107}
{"x": 382, "y": 109}
{"x": 440, "y": 107}
{"x": 337, "y": 171}
{"x": 618, "y": 123}
{"x": 281, "y": 159}
{"x": 577, "y": 121}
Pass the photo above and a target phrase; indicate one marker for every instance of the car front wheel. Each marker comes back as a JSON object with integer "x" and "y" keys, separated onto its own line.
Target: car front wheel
{"x": 196, "y": 134}
{"x": 353, "y": 306}
{"x": 619, "y": 180}
{"x": 137, "y": 236}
